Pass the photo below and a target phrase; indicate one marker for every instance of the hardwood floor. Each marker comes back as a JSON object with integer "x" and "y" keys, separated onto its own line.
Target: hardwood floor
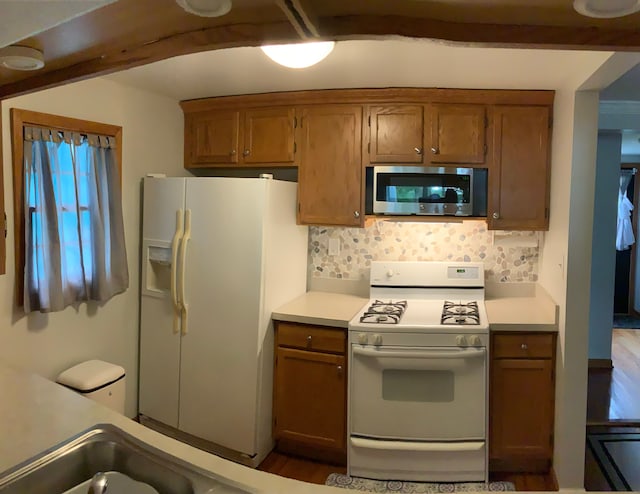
{"x": 613, "y": 399}
{"x": 614, "y": 395}
{"x": 317, "y": 472}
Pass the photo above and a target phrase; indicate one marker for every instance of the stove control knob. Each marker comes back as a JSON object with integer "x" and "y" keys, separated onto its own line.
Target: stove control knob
{"x": 475, "y": 340}
{"x": 390, "y": 273}
{"x": 363, "y": 338}
{"x": 377, "y": 339}
{"x": 461, "y": 340}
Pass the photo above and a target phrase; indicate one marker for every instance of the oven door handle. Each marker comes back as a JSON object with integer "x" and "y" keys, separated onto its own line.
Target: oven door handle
{"x": 384, "y": 444}
{"x": 433, "y": 354}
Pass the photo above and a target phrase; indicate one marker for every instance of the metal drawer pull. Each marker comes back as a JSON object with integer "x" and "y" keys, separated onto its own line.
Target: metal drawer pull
{"x": 360, "y": 442}
{"x": 524, "y": 346}
{"x": 309, "y": 339}
{"x": 472, "y": 352}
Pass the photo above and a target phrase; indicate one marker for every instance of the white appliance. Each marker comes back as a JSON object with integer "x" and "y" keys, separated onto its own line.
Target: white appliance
{"x": 218, "y": 255}
{"x": 418, "y": 374}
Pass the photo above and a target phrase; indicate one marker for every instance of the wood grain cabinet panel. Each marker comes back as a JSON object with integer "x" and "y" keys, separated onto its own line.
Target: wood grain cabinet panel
{"x": 457, "y": 134}
{"x": 520, "y": 175}
{"x": 243, "y": 137}
{"x": 396, "y": 134}
{"x": 310, "y": 391}
{"x": 269, "y": 136}
{"x": 212, "y": 138}
{"x": 329, "y": 141}
{"x": 521, "y": 405}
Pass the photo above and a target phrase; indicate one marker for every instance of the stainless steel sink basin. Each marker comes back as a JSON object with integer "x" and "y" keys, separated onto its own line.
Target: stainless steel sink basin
{"x": 106, "y": 448}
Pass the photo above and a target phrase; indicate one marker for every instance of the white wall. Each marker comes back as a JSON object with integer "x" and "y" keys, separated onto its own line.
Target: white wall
{"x": 604, "y": 244}
{"x": 152, "y": 142}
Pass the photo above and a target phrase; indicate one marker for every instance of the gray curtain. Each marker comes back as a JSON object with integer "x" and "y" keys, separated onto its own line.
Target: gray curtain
{"x": 74, "y": 234}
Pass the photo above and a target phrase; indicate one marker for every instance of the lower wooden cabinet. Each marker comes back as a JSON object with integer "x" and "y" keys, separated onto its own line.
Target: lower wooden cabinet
{"x": 310, "y": 392}
{"x": 521, "y": 406}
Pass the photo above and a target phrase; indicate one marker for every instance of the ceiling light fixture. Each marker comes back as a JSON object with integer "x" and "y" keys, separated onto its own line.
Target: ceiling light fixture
{"x": 606, "y": 9}
{"x": 299, "y": 55}
{"x": 206, "y": 8}
{"x": 21, "y": 58}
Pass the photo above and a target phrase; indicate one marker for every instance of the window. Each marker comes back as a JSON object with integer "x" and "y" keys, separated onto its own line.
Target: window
{"x": 67, "y": 210}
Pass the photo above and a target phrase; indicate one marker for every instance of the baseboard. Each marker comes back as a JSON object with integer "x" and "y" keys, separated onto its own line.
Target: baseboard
{"x": 600, "y": 363}
{"x": 554, "y": 479}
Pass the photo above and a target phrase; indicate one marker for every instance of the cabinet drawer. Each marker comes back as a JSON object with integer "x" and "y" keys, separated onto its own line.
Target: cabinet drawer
{"x": 525, "y": 345}
{"x": 311, "y": 337}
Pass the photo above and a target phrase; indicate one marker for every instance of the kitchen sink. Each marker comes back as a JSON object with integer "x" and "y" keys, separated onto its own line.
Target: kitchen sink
{"x": 106, "y": 448}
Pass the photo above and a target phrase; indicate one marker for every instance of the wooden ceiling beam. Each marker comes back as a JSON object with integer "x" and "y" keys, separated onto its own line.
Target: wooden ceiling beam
{"x": 493, "y": 35}
{"x": 179, "y": 44}
{"x": 336, "y": 28}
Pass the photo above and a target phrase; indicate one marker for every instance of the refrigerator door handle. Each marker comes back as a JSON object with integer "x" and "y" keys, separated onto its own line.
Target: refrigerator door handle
{"x": 183, "y": 263}
{"x": 177, "y": 236}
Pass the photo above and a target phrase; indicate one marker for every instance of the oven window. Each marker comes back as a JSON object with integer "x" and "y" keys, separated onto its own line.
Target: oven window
{"x": 434, "y": 386}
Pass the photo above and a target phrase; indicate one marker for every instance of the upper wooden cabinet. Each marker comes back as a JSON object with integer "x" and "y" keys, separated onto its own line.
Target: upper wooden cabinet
{"x": 211, "y": 138}
{"x": 329, "y": 141}
{"x": 457, "y": 134}
{"x": 520, "y": 174}
{"x": 260, "y": 136}
{"x": 268, "y": 135}
{"x": 331, "y": 136}
{"x": 396, "y": 134}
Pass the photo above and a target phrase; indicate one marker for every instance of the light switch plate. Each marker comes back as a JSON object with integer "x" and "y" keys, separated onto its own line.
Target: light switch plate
{"x": 334, "y": 246}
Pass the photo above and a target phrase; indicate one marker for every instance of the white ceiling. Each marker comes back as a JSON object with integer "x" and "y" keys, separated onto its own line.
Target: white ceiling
{"x": 399, "y": 62}
{"x": 20, "y": 19}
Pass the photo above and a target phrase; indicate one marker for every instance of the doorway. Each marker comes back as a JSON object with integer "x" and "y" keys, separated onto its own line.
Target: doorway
{"x": 625, "y": 305}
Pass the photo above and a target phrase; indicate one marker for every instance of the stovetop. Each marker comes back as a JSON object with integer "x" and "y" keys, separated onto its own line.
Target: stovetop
{"x": 421, "y": 315}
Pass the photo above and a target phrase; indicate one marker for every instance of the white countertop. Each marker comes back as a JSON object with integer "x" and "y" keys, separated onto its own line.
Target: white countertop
{"x": 37, "y": 414}
{"x": 523, "y": 313}
{"x": 322, "y": 308}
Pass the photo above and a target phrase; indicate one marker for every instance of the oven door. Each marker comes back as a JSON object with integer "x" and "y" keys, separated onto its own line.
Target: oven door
{"x": 433, "y": 393}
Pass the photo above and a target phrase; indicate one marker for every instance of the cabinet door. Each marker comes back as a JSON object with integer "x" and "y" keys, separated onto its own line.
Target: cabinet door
{"x": 396, "y": 134}
{"x": 268, "y": 136}
{"x": 519, "y": 179}
{"x": 521, "y": 413}
{"x": 330, "y": 167}
{"x": 212, "y": 138}
{"x": 457, "y": 134}
{"x": 310, "y": 398}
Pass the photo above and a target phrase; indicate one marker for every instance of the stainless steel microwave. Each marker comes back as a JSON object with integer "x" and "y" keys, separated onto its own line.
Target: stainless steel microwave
{"x": 411, "y": 190}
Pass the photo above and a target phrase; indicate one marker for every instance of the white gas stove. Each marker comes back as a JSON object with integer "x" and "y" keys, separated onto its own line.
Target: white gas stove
{"x": 418, "y": 374}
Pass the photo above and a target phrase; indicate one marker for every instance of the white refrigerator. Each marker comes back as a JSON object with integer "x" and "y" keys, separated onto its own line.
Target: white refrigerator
{"x": 218, "y": 255}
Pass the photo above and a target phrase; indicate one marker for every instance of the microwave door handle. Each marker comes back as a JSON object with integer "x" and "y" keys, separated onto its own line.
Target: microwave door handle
{"x": 422, "y": 354}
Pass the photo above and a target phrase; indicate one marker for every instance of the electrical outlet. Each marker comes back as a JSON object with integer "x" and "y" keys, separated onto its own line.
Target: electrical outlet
{"x": 334, "y": 246}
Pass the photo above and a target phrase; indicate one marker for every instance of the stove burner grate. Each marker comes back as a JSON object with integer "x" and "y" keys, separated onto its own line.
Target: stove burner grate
{"x": 460, "y": 313}
{"x": 380, "y": 312}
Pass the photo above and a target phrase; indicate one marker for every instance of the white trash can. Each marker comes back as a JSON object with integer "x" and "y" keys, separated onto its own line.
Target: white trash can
{"x": 101, "y": 381}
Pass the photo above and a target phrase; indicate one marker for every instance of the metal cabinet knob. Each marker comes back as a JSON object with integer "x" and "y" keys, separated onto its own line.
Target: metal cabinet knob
{"x": 495, "y": 216}
{"x": 418, "y": 150}
{"x": 339, "y": 370}
{"x": 233, "y": 151}
{"x": 356, "y": 214}
{"x": 309, "y": 339}
{"x": 524, "y": 346}
{"x": 435, "y": 150}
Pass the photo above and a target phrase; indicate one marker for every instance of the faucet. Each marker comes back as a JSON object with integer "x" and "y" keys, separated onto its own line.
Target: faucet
{"x": 98, "y": 484}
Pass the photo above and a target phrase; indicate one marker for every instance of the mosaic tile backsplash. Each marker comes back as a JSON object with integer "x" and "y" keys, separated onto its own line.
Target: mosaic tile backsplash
{"x": 507, "y": 259}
